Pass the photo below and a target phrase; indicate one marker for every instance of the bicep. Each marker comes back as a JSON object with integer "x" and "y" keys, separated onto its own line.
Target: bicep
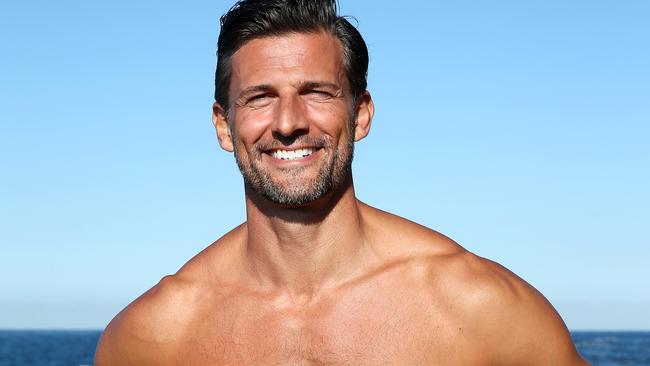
{"x": 537, "y": 332}
{"x": 518, "y": 326}
{"x": 121, "y": 345}
{"x": 109, "y": 352}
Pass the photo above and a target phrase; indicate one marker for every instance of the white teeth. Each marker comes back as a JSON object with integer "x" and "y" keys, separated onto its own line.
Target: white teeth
{"x": 291, "y": 154}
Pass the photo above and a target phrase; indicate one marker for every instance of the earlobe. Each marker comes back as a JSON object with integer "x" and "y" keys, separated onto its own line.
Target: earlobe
{"x": 220, "y": 122}
{"x": 364, "y": 113}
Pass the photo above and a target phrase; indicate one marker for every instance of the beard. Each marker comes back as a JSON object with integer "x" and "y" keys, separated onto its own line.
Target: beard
{"x": 332, "y": 173}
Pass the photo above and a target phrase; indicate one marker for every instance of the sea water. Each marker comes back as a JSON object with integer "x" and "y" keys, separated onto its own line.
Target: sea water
{"x": 48, "y": 348}
{"x": 76, "y": 348}
{"x": 614, "y": 348}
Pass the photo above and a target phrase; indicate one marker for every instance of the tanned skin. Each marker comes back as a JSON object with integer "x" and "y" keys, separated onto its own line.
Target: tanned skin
{"x": 333, "y": 282}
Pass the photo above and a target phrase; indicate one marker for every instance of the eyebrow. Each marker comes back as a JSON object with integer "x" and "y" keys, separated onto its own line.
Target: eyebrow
{"x": 254, "y": 89}
{"x": 303, "y": 85}
{"x": 319, "y": 84}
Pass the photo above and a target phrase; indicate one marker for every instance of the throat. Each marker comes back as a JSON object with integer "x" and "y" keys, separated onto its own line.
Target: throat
{"x": 302, "y": 248}
{"x": 304, "y": 257}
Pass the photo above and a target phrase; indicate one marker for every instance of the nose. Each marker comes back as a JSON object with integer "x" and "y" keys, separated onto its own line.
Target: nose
{"x": 290, "y": 119}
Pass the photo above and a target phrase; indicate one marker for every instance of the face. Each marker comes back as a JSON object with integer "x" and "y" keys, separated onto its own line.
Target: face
{"x": 292, "y": 122}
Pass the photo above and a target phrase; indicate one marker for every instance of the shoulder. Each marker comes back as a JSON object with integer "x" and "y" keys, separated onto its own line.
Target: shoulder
{"x": 498, "y": 313}
{"x": 151, "y": 329}
{"x": 502, "y": 315}
{"x": 146, "y": 331}
{"x": 401, "y": 238}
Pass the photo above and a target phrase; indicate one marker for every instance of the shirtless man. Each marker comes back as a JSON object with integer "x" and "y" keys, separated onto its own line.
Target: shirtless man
{"x": 314, "y": 276}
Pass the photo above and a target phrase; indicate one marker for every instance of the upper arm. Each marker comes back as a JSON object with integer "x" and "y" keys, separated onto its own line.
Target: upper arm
{"x": 517, "y": 324}
{"x": 536, "y": 332}
{"x": 146, "y": 331}
{"x": 119, "y": 346}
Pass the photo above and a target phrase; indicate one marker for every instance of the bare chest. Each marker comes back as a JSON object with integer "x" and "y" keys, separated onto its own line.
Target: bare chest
{"x": 379, "y": 331}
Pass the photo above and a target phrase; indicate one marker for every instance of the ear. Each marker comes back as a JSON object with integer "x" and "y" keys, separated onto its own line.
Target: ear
{"x": 365, "y": 109}
{"x": 220, "y": 122}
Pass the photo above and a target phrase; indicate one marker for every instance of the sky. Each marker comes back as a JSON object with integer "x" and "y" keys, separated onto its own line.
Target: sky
{"x": 519, "y": 129}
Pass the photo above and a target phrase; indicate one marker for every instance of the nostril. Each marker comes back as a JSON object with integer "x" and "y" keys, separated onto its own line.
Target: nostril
{"x": 290, "y": 129}
{"x": 289, "y": 138}
{"x": 290, "y": 117}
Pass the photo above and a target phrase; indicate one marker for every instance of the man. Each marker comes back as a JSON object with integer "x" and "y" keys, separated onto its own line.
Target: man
{"x": 314, "y": 276}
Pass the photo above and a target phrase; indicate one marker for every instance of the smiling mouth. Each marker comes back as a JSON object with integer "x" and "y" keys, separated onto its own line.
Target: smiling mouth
{"x": 292, "y": 154}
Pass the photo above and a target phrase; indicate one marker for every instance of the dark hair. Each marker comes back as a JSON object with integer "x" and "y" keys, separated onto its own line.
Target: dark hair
{"x": 250, "y": 19}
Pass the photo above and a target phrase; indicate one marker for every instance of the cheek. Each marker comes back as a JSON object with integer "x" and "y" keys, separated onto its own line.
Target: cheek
{"x": 332, "y": 121}
{"x": 251, "y": 126}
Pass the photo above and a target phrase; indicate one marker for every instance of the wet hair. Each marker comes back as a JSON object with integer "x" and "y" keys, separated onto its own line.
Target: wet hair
{"x": 251, "y": 19}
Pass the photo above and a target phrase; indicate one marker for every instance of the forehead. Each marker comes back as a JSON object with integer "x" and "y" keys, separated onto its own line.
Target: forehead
{"x": 292, "y": 57}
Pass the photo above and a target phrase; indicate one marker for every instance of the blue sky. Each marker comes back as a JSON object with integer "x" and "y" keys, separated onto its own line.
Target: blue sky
{"x": 519, "y": 129}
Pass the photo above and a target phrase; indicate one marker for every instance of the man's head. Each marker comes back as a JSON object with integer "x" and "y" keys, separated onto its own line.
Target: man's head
{"x": 291, "y": 97}
{"x": 251, "y": 19}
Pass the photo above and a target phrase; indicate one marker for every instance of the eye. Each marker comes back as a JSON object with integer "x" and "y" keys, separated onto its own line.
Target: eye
{"x": 317, "y": 94}
{"x": 258, "y": 99}
{"x": 321, "y": 92}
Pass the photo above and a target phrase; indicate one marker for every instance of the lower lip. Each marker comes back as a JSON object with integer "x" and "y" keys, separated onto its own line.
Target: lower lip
{"x": 294, "y": 162}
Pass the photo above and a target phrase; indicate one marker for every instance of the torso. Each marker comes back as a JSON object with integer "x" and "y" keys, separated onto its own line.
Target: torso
{"x": 426, "y": 302}
{"x": 390, "y": 318}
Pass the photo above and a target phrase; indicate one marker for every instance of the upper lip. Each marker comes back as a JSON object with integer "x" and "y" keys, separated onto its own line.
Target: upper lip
{"x": 291, "y": 148}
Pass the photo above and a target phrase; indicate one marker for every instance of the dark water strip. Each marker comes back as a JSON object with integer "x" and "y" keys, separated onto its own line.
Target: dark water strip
{"x": 614, "y": 348}
{"x": 48, "y": 348}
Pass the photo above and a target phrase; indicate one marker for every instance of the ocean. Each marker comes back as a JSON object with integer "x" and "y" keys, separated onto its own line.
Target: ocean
{"x": 614, "y": 348}
{"x": 47, "y": 348}
{"x": 76, "y": 348}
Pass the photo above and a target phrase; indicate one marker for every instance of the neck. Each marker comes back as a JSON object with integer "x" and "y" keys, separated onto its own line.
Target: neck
{"x": 304, "y": 249}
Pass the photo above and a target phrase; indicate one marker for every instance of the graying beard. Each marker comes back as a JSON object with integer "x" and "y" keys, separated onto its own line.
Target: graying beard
{"x": 327, "y": 179}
